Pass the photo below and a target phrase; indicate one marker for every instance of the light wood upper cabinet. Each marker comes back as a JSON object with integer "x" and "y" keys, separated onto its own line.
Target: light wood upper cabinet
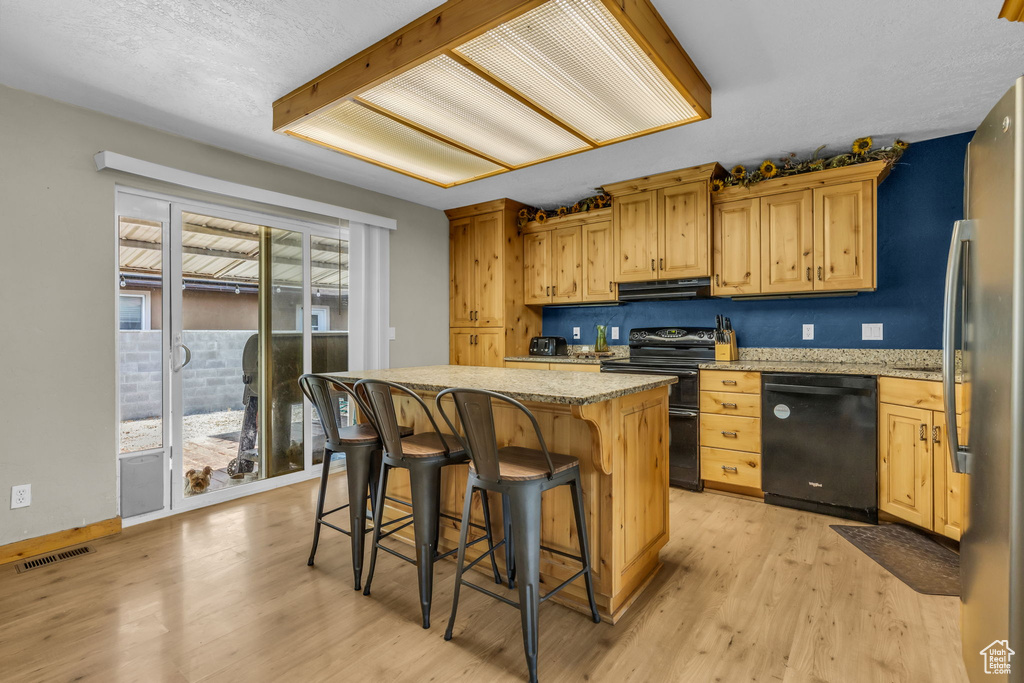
{"x": 598, "y": 262}
{"x": 537, "y": 268}
{"x": 636, "y": 237}
{"x": 683, "y": 231}
{"x": 567, "y": 262}
{"x": 844, "y": 236}
{"x": 462, "y": 262}
{"x": 487, "y": 244}
{"x": 737, "y": 251}
{"x": 905, "y": 463}
{"x": 787, "y": 243}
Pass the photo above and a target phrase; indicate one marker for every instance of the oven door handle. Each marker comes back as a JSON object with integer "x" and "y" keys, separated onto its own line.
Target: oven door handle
{"x": 689, "y": 414}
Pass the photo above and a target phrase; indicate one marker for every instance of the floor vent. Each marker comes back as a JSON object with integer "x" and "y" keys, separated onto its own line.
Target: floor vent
{"x": 46, "y": 560}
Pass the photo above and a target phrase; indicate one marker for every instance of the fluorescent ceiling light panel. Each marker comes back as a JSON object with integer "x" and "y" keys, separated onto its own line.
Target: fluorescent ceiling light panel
{"x": 479, "y": 87}
{"x": 352, "y": 128}
{"x": 576, "y": 61}
{"x": 448, "y": 98}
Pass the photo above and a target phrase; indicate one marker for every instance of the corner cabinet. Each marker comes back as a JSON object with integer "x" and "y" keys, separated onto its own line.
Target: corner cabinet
{"x": 488, "y": 317}
{"x": 569, "y": 260}
{"x": 661, "y": 225}
{"x": 814, "y": 232}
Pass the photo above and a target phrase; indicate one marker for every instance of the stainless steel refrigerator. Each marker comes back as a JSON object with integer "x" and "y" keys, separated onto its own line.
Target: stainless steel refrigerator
{"x": 984, "y": 316}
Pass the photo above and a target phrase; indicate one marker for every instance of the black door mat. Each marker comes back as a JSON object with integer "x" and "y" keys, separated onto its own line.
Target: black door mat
{"x": 912, "y": 557}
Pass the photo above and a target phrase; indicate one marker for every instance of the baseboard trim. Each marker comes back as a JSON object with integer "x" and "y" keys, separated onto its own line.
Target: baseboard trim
{"x": 30, "y": 547}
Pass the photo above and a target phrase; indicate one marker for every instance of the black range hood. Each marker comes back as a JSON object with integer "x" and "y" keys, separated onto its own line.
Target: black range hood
{"x": 665, "y": 290}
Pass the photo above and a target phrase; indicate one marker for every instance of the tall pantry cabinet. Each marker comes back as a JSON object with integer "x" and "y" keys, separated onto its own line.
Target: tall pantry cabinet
{"x": 488, "y": 319}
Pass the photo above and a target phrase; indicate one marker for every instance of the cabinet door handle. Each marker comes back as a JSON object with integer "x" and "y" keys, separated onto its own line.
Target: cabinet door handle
{"x": 731, "y": 435}
{"x": 548, "y": 291}
{"x": 730, "y": 382}
{"x": 652, "y": 264}
{"x": 819, "y": 272}
{"x": 731, "y": 469}
{"x": 935, "y": 435}
{"x": 611, "y": 285}
{"x": 808, "y": 273}
{"x": 717, "y": 283}
{"x": 923, "y": 428}
{"x": 661, "y": 264}
{"x": 728, "y": 405}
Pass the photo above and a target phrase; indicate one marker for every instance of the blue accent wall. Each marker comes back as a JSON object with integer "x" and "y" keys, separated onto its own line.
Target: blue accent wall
{"x": 917, "y": 205}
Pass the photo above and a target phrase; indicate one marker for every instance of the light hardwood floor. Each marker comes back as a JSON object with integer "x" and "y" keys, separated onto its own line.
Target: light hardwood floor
{"x": 749, "y": 592}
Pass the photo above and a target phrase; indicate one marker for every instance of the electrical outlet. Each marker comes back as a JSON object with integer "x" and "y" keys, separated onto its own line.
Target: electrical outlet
{"x": 615, "y": 333}
{"x": 871, "y": 331}
{"x": 21, "y": 496}
{"x": 808, "y": 331}
{"x": 575, "y": 333}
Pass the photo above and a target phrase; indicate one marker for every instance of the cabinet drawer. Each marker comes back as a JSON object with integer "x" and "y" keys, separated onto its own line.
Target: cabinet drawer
{"x": 725, "y": 403}
{"x": 730, "y": 380}
{"x": 731, "y": 467}
{"x": 916, "y": 393}
{"x": 527, "y": 365}
{"x": 575, "y": 367}
{"x": 731, "y": 432}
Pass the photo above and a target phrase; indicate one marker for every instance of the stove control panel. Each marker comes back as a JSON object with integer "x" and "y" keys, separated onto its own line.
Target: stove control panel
{"x": 672, "y": 336}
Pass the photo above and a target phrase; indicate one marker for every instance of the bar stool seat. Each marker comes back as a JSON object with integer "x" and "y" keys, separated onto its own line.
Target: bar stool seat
{"x": 430, "y": 445}
{"x": 526, "y": 464}
{"x": 365, "y": 433}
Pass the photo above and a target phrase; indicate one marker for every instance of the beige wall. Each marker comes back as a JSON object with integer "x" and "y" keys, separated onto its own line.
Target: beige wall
{"x": 57, "y": 245}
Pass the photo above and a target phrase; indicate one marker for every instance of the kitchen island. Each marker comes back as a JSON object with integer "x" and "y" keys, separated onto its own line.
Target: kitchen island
{"x": 617, "y": 425}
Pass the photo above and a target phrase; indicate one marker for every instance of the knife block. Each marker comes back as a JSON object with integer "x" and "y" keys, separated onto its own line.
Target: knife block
{"x": 727, "y": 351}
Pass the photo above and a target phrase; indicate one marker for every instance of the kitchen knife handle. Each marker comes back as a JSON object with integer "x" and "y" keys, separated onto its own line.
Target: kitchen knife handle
{"x": 731, "y": 435}
{"x": 731, "y": 469}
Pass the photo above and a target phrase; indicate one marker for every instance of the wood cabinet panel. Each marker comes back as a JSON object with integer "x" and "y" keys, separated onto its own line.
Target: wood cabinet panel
{"x": 737, "y": 250}
{"x": 537, "y": 268}
{"x": 460, "y": 346}
{"x": 574, "y": 367}
{"x": 731, "y": 467}
{"x": 684, "y": 231}
{"x": 949, "y": 486}
{"x": 643, "y": 429}
{"x": 725, "y": 403}
{"x": 636, "y": 237}
{"x": 844, "y": 237}
{"x": 731, "y": 432}
{"x": 787, "y": 242}
{"x": 905, "y": 463}
{"x": 489, "y": 348}
{"x": 461, "y": 261}
{"x": 730, "y": 381}
{"x": 598, "y": 262}
{"x": 567, "y": 265}
{"x": 915, "y": 393}
{"x": 488, "y": 244}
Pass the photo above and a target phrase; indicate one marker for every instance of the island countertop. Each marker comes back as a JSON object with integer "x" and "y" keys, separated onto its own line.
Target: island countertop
{"x": 540, "y": 386}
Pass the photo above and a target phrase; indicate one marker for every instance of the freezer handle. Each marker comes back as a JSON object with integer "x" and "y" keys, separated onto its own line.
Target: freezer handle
{"x": 962, "y": 233}
{"x": 806, "y": 389}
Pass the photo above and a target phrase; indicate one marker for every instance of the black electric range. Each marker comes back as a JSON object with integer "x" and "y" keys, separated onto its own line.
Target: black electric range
{"x": 674, "y": 351}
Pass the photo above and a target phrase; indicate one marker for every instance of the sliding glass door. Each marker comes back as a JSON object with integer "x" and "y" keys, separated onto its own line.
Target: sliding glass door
{"x": 247, "y": 304}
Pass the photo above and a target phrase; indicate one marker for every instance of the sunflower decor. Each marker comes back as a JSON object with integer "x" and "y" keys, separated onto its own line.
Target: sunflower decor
{"x": 717, "y": 184}
{"x": 767, "y": 169}
{"x": 529, "y": 213}
{"x": 862, "y": 145}
{"x": 739, "y": 171}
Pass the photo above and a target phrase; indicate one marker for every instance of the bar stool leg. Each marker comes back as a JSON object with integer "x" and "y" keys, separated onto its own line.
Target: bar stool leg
{"x": 319, "y": 505}
{"x": 358, "y": 474}
{"x": 526, "y": 530}
{"x": 581, "y": 531}
{"x": 378, "y": 515}
{"x": 467, "y": 507}
{"x": 510, "y": 558}
{"x": 490, "y": 536}
{"x": 425, "y": 485}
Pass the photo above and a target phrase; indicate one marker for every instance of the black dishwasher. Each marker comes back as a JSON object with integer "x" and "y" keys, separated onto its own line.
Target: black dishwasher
{"x": 820, "y": 443}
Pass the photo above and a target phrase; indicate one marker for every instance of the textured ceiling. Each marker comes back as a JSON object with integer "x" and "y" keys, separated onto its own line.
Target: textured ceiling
{"x": 785, "y": 76}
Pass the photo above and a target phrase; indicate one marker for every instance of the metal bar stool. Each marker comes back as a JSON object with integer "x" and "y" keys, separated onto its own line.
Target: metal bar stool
{"x": 522, "y": 475}
{"x": 361, "y": 444}
{"x": 423, "y": 455}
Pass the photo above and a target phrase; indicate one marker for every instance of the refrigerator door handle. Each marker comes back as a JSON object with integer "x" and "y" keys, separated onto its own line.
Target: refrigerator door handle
{"x": 962, "y": 233}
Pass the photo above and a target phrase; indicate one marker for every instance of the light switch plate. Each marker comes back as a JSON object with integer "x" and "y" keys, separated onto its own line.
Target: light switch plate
{"x": 575, "y": 333}
{"x": 615, "y": 333}
{"x": 871, "y": 332}
{"x": 809, "y": 331}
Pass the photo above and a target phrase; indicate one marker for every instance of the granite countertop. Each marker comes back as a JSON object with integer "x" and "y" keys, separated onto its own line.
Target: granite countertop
{"x": 575, "y": 360}
{"x": 541, "y": 386}
{"x": 877, "y": 369}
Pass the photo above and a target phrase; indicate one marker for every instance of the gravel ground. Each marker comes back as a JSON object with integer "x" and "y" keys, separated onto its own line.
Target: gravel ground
{"x": 138, "y": 435}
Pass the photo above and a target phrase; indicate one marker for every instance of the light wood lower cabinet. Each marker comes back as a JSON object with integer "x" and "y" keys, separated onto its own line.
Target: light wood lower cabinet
{"x": 562, "y": 367}
{"x": 916, "y": 482}
{"x": 731, "y": 467}
{"x": 477, "y": 346}
{"x": 730, "y": 430}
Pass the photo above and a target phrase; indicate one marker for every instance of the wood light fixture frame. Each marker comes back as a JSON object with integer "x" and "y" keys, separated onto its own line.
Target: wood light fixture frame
{"x": 1013, "y": 10}
{"x": 455, "y": 23}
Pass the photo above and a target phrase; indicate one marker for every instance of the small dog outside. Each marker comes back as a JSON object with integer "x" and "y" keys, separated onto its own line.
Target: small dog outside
{"x": 197, "y": 481}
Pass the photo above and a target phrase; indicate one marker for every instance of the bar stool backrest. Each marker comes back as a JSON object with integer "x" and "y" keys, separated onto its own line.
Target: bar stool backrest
{"x": 476, "y": 412}
{"x": 322, "y": 392}
{"x": 380, "y": 397}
